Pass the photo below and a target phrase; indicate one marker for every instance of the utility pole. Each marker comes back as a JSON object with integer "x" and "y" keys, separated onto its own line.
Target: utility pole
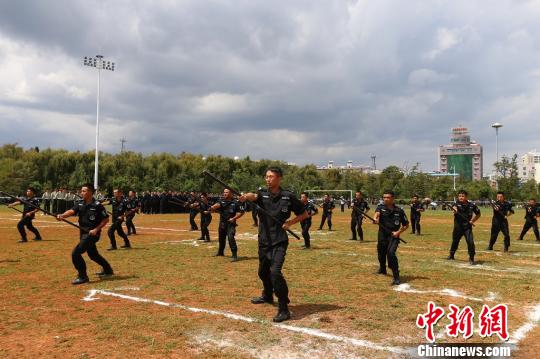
{"x": 122, "y": 141}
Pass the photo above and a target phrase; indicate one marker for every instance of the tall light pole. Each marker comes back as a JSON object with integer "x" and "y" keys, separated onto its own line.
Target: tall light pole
{"x": 496, "y": 126}
{"x": 99, "y": 64}
{"x": 454, "y": 176}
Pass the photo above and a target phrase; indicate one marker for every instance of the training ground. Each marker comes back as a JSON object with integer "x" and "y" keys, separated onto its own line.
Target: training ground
{"x": 171, "y": 298}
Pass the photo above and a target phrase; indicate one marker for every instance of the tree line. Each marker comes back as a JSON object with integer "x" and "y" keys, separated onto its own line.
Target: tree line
{"x": 58, "y": 168}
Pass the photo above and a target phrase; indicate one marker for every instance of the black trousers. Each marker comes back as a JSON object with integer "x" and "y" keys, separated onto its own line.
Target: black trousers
{"x": 129, "y": 224}
{"x": 47, "y": 205}
{"x": 205, "y": 222}
{"x": 255, "y": 217}
{"x": 271, "y": 261}
{"x": 305, "y": 232}
{"x": 54, "y": 206}
{"x": 498, "y": 226}
{"x": 528, "y": 225}
{"x": 61, "y": 206}
{"x": 415, "y": 224}
{"x": 192, "y": 215}
{"x": 386, "y": 251}
{"x": 116, "y": 226}
{"x": 88, "y": 244}
{"x": 27, "y": 222}
{"x": 356, "y": 227}
{"x": 227, "y": 231}
{"x": 456, "y": 237}
{"x": 323, "y": 219}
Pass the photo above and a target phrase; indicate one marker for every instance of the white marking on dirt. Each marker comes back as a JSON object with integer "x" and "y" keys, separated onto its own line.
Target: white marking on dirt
{"x": 485, "y": 267}
{"x": 503, "y": 270}
{"x": 406, "y": 288}
{"x": 160, "y": 233}
{"x": 246, "y": 236}
{"x": 126, "y": 288}
{"x": 91, "y": 296}
{"x": 536, "y": 244}
{"x": 521, "y": 332}
{"x": 39, "y": 227}
{"x": 163, "y": 229}
{"x": 183, "y": 241}
{"x": 525, "y": 255}
{"x": 19, "y": 217}
{"x": 320, "y": 233}
{"x": 504, "y": 254}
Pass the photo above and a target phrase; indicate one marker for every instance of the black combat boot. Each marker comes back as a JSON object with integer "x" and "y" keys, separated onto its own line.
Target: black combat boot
{"x": 263, "y": 299}
{"x": 283, "y": 313}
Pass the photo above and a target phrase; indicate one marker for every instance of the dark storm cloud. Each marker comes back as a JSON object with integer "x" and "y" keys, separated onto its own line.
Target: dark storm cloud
{"x": 305, "y": 81}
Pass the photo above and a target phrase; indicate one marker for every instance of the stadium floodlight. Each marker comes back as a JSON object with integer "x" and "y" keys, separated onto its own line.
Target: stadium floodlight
{"x": 100, "y": 64}
{"x": 496, "y": 126}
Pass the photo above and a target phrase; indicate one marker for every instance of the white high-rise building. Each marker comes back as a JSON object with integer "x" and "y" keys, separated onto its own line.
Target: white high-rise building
{"x": 529, "y": 166}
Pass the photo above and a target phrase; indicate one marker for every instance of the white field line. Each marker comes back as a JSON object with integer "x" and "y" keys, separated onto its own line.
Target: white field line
{"x": 406, "y": 288}
{"x": 163, "y": 229}
{"x": 504, "y": 270}
{"x": 182, "y": 241}
{"x": 485, "y": 267}
{"x": 39, "y": 227}
{"x": 126, "y": 288}
{"x": 35, "y": 220}
{"x": 172, "y": 229}
{"x": 533, "y": 319}
{"x": 502, "y": 254}
{"x": 308, "y": 331}
{"x": 161, "y": 233}
{"x": 534, "y": 244}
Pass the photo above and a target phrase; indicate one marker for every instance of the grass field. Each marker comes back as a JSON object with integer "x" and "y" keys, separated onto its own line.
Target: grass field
{"x": 150, "y": 308}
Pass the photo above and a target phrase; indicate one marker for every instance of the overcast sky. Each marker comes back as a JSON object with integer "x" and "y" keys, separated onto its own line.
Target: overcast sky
{"x": 302, "y": 81}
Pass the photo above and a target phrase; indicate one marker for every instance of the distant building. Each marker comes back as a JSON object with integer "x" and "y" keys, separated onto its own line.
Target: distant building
{"x": 462, "y": 156}
{"x": 529, "y": 166}
{"x": 348, "y": 167}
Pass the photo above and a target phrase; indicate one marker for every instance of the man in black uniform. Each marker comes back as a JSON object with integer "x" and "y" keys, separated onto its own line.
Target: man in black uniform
{"x": 392, "y": 222}
{"x": 203, "y": 205}
{"x": 273, "y": 240}
{"x": 230, "y": 211}
{"x": 93, "y": 217}
{"x": 416, "y": 212}
{"x": 463, "y": 222}
{"x": 146, "y": 202}
{"x": 532, "y": 211}
{"x": 502, "y": 209}
{"x": 206, "y": 216}
{"x": 359, "y": 206}
{"x": 311, "y": 210}
{"x": 29, "y": 213}
{"x": 192, "y": 199}
{"x": 119, "y": 207}
{"x": 133, "y": 206}
{"x": 327, "y": 206}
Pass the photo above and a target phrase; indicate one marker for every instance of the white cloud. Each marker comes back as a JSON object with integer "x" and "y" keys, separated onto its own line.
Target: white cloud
{"x": 427, "y": 77}
{"x": 216, "y": 103}
{"x": 294, "y": 80}
{"x": 447, "y": 39}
